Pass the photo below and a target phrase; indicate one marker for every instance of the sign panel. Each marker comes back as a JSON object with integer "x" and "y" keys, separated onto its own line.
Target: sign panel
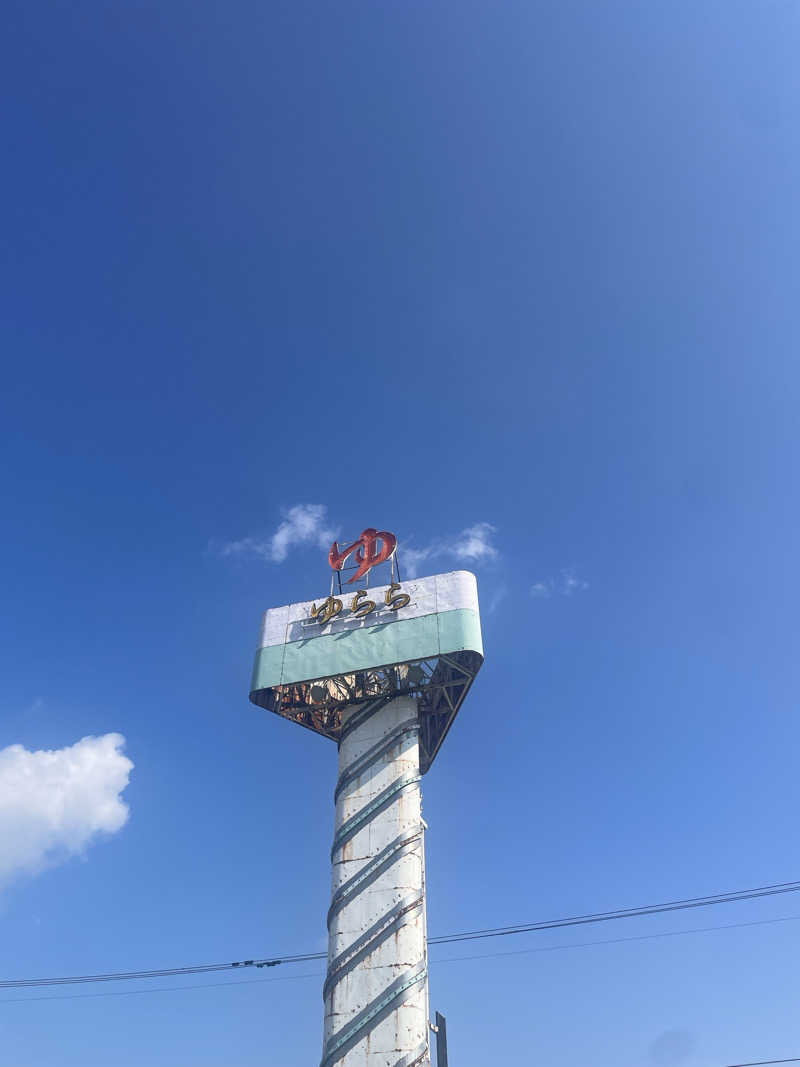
{"x": 423, "y": 636}
{"x": 440, "y": 615}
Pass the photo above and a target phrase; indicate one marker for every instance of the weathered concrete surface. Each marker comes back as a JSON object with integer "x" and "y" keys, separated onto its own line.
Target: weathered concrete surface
{"x": 397, "y": 1038}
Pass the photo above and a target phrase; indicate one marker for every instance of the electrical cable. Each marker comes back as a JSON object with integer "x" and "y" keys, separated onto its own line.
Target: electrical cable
{"x": 732, "y": 896}
{"x": 162, "y": 989}
{"x": 761, "y": 1063}
{"x": 619, "y": 940}
{"x": 624, "y": 913}
{"x": 444, "y": 959}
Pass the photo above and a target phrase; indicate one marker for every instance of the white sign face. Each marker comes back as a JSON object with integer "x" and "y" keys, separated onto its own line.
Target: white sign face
{"x": 425, "y": 596}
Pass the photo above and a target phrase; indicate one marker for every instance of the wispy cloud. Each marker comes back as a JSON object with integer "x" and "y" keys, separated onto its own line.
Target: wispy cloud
{"x": 473, "y": 545}
{"x": 302, "y": 524}
{"x": 571, "y": 583}
{"x": 499, "y": 594}
{"x": 566, "y": 584}
{"x": 54, "y": 804}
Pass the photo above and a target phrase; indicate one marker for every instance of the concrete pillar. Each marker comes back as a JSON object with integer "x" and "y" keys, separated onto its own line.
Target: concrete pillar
{"x": 376, "y": 990}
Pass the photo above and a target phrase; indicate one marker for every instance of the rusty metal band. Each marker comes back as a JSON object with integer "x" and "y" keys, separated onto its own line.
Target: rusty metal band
{"x": 371, "y": 939}
{"x": 364, "y": 817}
{"x": 361, "y": 716}
{"x": 349, "y": 890}
{"x": 340, "y": 1042}
{"x": 363, "y": 763}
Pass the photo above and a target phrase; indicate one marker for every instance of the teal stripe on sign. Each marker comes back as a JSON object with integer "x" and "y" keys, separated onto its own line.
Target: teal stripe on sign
{"x": 459, "y": 631}
{"x": 399, "y": 641}
{"x": 267, "y": 668}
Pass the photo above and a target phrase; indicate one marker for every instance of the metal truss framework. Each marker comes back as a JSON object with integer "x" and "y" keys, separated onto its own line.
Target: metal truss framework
{"x": 439, "y": 684}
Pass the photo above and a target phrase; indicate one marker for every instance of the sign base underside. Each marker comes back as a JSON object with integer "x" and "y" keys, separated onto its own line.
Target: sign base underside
{"x": 439, "y": 685}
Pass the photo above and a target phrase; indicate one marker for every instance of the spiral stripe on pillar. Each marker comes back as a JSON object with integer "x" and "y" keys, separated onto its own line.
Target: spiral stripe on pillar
{"x": 343, "y": 1040}
{"x": 363, "y": 763}
{"x": 387, "y": 925}
{"x": 416, "y": 1058}
{"x": 361, "y": 716}
{"x": 407, "y": 909}
{"x": 364, "y": 817}
{"x": 393, "y": 852}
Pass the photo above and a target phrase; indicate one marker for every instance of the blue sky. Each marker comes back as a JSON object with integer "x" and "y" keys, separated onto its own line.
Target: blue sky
{"x": 524, "y": 268}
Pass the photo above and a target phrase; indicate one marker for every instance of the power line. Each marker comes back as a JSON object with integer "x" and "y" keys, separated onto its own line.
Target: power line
{"x": 624, "y": 913}
{"x": 163, "y": 989}
{"x": 445, "y": 959}
{"x": 620, "y": 940}
{"x": 730, "y": 897}
{"x": 760, "y": 1063}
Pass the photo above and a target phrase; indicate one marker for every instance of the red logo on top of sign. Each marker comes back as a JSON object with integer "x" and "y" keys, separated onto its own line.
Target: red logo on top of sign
{"x": 368, "y": 554}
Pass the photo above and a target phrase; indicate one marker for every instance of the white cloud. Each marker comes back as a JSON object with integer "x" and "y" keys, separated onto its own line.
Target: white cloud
{"x": 472, "y": 545}
{"x": 566, "y": 584}
{"x": 301, "y": 524}
{"x": 498, "y": 596}
{"x": 543, "y": 589}
{"x": 54, "y": 804}
{"x": 571, "y": 583}
{"x": 411, "y": 560}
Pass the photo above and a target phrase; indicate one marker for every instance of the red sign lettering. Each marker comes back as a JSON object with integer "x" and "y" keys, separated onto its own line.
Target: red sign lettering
{"x": 368, "y": 554}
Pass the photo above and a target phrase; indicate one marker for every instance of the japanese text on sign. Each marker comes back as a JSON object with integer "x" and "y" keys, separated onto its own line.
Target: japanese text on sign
{"x": 360, "y": 607}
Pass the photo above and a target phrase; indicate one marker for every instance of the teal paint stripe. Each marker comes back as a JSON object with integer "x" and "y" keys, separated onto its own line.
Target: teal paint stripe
{"x": 342, "y": 1040}
{"x": 365, "y": 711}
{"x": 399, "y": 641}
{"x": 387, "y": 857}
{"x": 363, "y": 763}
{"x": 365, "y": 815}
{"x": 414, "y": 1059}
{"x": 371, "y": 939}
{"x": 354, "y": 650}
{"x": 459, "y": 631}
{"x": 268, "y": 668}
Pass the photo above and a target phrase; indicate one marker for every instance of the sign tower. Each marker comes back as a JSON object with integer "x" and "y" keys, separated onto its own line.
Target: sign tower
{"x": 383, "y": 672}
